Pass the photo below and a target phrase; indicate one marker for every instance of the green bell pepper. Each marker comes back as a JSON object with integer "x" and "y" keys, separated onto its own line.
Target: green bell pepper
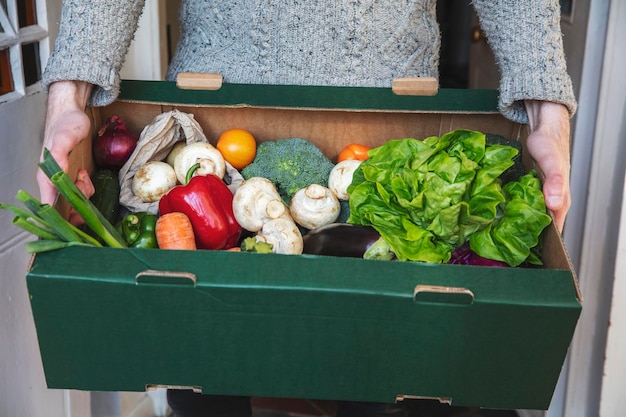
{"x": 139, "y": 230}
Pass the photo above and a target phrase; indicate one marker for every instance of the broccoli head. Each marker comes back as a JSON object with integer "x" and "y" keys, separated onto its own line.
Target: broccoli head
{"x": 250, "y": 244}
{"x": 291, "y": 164}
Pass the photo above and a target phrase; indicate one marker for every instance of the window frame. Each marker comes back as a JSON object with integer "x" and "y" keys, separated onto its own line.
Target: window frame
{"x": 13, "y": 37}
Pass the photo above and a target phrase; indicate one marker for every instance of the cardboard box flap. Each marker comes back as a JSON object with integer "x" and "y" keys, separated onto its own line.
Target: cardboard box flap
{"x": 280, "y": 325}
{"x": 310, "y": 97}
{"x": 420, "y": 86}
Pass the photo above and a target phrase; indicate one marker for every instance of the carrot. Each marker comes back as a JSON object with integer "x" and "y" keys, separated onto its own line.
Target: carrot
{"x": 174, "y": 231}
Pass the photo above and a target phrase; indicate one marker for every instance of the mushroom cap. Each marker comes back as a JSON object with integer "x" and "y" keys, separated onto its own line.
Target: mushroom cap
{"x": 255, "y": 202}
{"x": 171, "y": 156}
{"x": 153, "y": 180}
{"x": 283, "y": 234}
{"x": 314, "y": 206}
{"x": 210, "y": 159}
{"x": 340, "y": 177}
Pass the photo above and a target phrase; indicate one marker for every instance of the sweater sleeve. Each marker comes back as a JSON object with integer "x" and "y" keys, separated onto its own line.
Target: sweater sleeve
{"x": 94, "y": 37}
{"x": 527, "y": 42}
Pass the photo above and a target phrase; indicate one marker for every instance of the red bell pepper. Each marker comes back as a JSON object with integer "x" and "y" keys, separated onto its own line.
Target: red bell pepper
{"x": 208, "y": 203}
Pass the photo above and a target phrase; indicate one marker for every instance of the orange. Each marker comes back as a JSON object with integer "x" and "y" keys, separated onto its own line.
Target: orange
{"x": 237, "y": 146}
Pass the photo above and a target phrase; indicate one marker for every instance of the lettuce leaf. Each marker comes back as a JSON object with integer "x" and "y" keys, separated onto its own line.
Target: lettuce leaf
{"x": 428, "y": 197}
{"x": 511, "y": 237}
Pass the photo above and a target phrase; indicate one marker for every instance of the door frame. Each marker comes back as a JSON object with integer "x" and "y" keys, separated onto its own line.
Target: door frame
{"x": 591, "y": 232}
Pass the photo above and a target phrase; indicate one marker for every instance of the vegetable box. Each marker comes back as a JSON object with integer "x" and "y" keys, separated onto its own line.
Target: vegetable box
{"x": 305, "y": 326}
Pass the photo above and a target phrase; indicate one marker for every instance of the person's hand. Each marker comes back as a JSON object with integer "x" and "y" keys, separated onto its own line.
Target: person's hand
{"x": 66, "y": 125}
{"x": 549, "y": 145}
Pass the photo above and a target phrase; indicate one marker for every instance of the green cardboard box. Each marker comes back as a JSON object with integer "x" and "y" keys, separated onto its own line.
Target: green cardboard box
{"x": 306, "y": 326}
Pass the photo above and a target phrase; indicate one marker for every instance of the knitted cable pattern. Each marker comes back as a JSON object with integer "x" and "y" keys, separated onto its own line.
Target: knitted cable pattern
{"x": 527, "y": 43}
{"x": 93, "y": 40}
{"x": 345, "y": 42}
{"x": 316, "y": 42}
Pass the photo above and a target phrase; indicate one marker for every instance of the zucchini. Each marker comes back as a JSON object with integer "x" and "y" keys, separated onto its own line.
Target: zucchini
{"x": 107, "y": 195}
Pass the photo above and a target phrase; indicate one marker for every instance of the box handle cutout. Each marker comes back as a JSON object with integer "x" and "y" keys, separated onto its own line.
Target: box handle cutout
{"x": 442, "y": 295}
{"x": 417, "y": 86}
{"x": 443, "y": 400}
{"x": 199, "y": 81}
{"x": 152, "y": 276}
{"x": 152, "y": 387}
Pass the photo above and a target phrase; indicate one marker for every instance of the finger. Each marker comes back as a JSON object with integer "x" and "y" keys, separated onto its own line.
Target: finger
{"x": 75, "y": 218}
{"x": 84, "y": 184}
{"x": 47, "y": 191}
{"x": 557, "y": 198}
{"x": 554, "y": 192}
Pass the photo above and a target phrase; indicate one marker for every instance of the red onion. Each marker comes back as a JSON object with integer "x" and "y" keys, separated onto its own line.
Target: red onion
{"x": 114, "y": 144}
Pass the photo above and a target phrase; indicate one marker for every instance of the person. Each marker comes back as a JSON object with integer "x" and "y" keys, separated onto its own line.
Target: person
{"x": 316, "y": 42}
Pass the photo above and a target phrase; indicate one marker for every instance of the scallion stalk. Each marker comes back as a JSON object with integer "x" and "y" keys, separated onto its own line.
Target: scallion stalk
{"x": 38, "y": 246}
{"x": 35, "y": 205}
{"x": 28, "y": 200}
{"x": 24, "y": 224}
{"x": 58, "y": 223}
{"x": 28, "y": 216}
{"x": 93, "y": 218}
{"x": 45, "y": 222}
{"x": 87, "y": 238}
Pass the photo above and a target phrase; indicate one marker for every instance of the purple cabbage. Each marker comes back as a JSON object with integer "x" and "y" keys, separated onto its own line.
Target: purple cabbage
{"x": 463, "y": 255}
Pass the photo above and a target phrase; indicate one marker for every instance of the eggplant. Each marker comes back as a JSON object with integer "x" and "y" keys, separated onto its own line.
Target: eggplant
{"x": 340, "y": 239}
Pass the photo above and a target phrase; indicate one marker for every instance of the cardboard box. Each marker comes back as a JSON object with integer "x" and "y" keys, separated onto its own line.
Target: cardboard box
{"x": 298, "y": 325}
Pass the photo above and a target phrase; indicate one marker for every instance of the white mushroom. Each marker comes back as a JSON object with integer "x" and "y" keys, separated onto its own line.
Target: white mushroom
{"x": 284, "y": 236}
{"x": 314, "y": 206}
{"x": 152, "y": 180}
{"x": 171, "y": 157}
{"x": 256, "y": 202}
{"x": 340, "y": 177}
{"x": 210, "y": 159}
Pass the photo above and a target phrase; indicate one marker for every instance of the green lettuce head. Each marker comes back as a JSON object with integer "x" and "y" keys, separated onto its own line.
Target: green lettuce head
{"x": 427, "y": 197}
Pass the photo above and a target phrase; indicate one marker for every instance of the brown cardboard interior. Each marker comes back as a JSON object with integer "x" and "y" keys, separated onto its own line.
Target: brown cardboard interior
{"x": 331, "y": 130}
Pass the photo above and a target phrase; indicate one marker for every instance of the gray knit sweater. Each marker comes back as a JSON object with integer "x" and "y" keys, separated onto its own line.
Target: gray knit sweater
{"x": 316, "y": 42}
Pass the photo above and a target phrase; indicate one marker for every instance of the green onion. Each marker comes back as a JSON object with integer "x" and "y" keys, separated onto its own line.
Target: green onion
{"x": 53, "y": 230}
{"x": 70, "y": 230}
{"x": 28, "y": 200}
{"x": 39, "y": 246}
{"x": 93, "y": 218}
{"x": 26, "y": 215}
{"x": 86, "y": 237}
{"x": 23, "y": 223}
{"x": 58, "y": 223}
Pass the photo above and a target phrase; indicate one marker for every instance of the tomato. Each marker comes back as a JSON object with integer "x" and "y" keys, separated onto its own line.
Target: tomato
{"x": 237, "y": 146}
{"x": 354, "y": 151}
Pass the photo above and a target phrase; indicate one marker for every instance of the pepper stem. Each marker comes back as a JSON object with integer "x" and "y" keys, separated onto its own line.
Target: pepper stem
{"x": 191, "y": 171}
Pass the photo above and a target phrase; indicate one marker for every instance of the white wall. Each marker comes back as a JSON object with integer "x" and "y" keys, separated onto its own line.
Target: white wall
{"x": 588, "y": 362}
{"x": 612, "y": 124}
{"x": 614, "y": 380}
{"x": 147, "y": 56}
{"x": 23, "y": 390}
